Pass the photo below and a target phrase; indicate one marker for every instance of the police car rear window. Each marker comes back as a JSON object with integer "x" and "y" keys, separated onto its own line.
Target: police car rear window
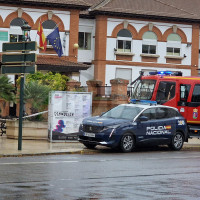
{"x": 163, "y": 113}
{"x": 160, "y": 113}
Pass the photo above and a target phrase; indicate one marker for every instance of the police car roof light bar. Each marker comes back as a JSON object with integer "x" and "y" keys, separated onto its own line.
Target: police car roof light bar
{"x": 144, "y": 102}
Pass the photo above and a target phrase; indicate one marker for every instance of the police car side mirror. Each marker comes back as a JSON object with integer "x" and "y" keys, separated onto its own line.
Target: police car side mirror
{"x": 143, "y": 118}
{"x": 102, "y": 114}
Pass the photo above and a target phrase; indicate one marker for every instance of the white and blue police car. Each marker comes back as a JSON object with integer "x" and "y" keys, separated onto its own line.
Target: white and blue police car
{"x": 128, "y": 125}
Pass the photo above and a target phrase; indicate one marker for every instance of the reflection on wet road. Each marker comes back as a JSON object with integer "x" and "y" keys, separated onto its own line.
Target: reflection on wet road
{"x": 148, "y": 175}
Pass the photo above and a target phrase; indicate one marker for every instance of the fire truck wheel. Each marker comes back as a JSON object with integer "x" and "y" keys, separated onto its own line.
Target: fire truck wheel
{"x": 90, "y": 146}
{"x": 127, "y": 142}
{"x": 177, "y": 141}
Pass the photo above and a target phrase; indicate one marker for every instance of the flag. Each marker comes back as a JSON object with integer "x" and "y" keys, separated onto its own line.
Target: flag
{"x": 43, "y": 42}
{"x": 54, "y": 39}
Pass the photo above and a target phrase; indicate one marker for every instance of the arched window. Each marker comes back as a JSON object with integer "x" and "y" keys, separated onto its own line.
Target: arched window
{"x": 124, "y": 40}
{"x": 15, "y": 29}
{"x": 173, "y": 44}
{"x": 17, "y": 22}
{"x": 49, "y": 24}
{"x": 124, "y": 33}
{"x": 48, "y": 27}
{"x": 149, "y": 42}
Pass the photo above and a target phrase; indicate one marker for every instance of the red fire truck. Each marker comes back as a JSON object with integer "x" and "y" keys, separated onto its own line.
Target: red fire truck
{"x": 172, "y": 89}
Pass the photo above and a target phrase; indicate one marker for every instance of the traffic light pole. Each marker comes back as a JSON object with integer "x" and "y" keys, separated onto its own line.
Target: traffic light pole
{"x": 21, "y": 111}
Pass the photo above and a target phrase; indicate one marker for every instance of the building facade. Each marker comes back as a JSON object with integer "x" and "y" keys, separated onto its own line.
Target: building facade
{"x": 115, "y": 39}
{"x": 133, "y": 36}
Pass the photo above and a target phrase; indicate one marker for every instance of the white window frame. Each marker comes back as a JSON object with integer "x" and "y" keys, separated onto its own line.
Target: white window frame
{"x": 149, "y": 43}
{"x": 47, "y": 32}
{"x": 84, "y": 41}
{"x": 15, "y": 30}
{"x": 124, "y": 39}
{"x": 173, "y": 45}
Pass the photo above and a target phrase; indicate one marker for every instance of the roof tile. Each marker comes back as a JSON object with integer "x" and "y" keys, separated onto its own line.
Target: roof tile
{"x": 165, "y": 8}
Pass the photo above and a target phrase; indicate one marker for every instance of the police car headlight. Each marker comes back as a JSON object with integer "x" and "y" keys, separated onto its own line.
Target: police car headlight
{"x": 110, "y": 127}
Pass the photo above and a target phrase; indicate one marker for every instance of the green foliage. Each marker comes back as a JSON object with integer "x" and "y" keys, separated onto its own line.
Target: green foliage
{"x": 54, "y": 81}
{"x": 7, "y": 90}
{"x": 37, "y": 95}
{"x": 37, "y": 88}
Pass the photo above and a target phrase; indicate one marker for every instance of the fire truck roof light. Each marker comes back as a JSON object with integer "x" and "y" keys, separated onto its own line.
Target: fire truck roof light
{"x": 177, "y": 73}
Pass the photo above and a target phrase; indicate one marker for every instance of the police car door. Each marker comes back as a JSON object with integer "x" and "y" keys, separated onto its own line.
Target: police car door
{"x": 166, "y": 124}
{"x": 145, "y": 129}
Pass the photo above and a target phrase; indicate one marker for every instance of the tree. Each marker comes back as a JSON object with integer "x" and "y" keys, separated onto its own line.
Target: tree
{"x": 37, "y": 95}
{"x": 7, "y": 90}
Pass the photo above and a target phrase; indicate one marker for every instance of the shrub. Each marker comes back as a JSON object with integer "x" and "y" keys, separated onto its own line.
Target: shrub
{"x": 7, "y": 90}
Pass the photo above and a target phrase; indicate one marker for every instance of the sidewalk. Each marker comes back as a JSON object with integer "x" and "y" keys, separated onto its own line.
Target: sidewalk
{"x": 9, "y": 147}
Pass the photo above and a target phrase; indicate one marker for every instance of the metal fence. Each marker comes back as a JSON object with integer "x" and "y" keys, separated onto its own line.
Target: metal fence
{"x": 103, "y": 91}
{"x": 2, "y": 126}
{"x": 129, "y": 91}
{"x": 82, "y": 89}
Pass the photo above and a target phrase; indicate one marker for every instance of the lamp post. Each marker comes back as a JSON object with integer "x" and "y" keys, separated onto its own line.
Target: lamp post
{"x": 26, "y": 37}
{"x": 26, "y": 32}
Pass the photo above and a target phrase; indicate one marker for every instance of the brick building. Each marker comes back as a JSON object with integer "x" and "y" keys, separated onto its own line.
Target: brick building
{"x": 117, "y": 39}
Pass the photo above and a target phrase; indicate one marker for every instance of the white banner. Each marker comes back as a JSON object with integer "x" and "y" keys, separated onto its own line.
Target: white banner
{"x": 66, "y": 112}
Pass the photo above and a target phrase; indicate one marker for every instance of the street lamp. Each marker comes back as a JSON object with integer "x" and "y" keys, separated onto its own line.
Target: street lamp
{"x": 26, "y": 37}
{"x": 26, "y": 31}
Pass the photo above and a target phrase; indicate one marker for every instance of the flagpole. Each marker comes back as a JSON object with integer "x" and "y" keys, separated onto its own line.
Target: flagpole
{"x": 37, "y": 30}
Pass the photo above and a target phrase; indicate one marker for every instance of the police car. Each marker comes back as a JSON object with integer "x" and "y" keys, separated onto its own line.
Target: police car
{"x": 129, "y": 125}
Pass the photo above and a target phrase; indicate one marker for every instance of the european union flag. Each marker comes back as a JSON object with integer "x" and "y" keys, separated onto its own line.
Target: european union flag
{"x": 54, "y": 39}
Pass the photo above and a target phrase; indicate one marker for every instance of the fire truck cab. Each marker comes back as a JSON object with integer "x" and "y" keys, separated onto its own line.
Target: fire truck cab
{"x": 172, "y": 89}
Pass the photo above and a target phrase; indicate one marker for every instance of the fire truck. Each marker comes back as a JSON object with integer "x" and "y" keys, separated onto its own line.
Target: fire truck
{"x": 171, "y": 89}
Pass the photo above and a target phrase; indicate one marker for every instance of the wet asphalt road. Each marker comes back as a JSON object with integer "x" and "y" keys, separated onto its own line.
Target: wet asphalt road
{"x": 144, "y": 175}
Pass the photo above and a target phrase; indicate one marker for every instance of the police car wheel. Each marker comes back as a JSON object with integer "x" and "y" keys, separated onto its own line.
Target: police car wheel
{"x": 127, "y": 142}
{"x": 177, "y": 141}
{"x": 90, "y": 146}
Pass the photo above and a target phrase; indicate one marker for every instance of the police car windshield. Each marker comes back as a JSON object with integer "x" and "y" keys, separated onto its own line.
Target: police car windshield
{"x": 143, "y": 89}
{"x": 123, "y": 112}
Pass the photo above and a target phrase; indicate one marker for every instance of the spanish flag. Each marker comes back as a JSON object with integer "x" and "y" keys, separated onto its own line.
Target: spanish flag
{"x": 168, "y": 127}
{"x": 43, "y": 42}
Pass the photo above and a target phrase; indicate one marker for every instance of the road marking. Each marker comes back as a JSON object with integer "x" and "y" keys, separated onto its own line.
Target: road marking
{"x": 178, "y": 157}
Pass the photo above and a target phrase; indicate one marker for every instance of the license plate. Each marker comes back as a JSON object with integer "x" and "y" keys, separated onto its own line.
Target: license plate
{"x": 89, "y": 134}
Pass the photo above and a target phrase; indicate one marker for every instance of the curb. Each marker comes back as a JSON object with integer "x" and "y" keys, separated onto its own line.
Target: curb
{"x": 81, "y": 152}
{"x": 192, "y": 148}
{"x": 40, "y": 154}
{"x": 187, "y": 147}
